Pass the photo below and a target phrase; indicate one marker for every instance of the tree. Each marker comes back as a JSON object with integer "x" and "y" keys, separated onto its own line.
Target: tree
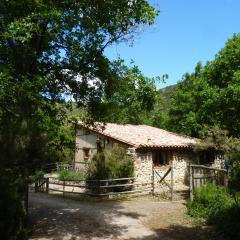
{"x": 210, "y": 96}
{"x": 134, "y": 97}
{"x": 50, "y": 50}
{"x": 219, "y": 140}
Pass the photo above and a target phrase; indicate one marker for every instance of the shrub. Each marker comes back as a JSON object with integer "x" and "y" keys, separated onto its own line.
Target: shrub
{"x": 39, "y": 174}
{"x": 234, "y": 178}
{"x": 218, "y": 207}
{"x": 109, "y": 164}
{"x": 69, "y": 175}
{"x": 208, "y": 200}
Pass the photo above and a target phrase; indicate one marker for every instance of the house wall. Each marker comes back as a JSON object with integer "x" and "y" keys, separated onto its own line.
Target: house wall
{"x": 86, "y": 139}
{"x": 143, "y": 161}
{"x": 180, "y": 160}
{"x": 218, "y": 161}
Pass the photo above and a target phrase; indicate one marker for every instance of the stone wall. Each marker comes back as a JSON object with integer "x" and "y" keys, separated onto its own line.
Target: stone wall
{"x": 143, "y": 166}
{"x": 180, "y": 161}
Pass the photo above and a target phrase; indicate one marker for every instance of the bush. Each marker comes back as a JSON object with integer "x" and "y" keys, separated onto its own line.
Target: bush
{"x": 234, "y": 178}
{"x": 109, "y": 164}
{"x": 12, "y": 196}
{"x": 39, "y": 174}
{"x": 218, "y": 207}
{"x": 208, "y": 200}
{"x": 69, "y": 175}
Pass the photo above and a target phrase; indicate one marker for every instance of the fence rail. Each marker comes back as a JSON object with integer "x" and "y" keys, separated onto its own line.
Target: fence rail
{"x": 103, "y": 187}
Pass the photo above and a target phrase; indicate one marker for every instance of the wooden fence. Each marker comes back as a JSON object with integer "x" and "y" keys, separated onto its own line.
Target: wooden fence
{"x": 200, "y": 175}
{"x": 97, "y": 188}
{"x": 42, "y": 184}
{"x": 105, "y": 187}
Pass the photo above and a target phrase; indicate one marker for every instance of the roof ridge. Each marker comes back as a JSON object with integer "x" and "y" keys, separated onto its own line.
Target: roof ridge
{"x": 176, "y": 134}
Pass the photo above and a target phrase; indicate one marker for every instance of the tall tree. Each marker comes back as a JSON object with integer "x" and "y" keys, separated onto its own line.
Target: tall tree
{"x": 210, "y": 96}
{"x": 49, "y": 50}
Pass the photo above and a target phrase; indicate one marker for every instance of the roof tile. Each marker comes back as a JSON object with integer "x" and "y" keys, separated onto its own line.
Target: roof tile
{"x": 143, "y": 136}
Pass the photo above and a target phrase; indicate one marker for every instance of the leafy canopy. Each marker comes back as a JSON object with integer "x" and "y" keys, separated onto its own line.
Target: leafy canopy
{"x": 48, "y": 51}
{"x": 210, "y": 96}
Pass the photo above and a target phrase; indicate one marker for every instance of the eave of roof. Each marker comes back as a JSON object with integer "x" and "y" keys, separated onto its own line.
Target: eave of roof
{"x": 106, "y": 135}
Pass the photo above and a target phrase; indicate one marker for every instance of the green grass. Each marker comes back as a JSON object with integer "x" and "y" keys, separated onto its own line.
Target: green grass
{"x": 69, "y": 175}
{"x": 219, "y": 208}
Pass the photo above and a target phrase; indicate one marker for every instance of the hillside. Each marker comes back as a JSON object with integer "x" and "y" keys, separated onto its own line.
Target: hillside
{"x": 166, "y": 93}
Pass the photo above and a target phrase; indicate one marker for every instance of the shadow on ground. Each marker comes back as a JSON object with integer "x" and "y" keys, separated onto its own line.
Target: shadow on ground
{"x": 179, "y": 232}
{"x": 56, "y": 218}
{"x": 52, "y": 217}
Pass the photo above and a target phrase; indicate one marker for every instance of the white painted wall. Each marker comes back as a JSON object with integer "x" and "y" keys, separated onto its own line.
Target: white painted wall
{"x": 84, "y": 141}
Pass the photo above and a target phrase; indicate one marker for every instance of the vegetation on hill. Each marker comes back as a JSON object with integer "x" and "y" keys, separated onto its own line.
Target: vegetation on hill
{"x": 166, "y": 94}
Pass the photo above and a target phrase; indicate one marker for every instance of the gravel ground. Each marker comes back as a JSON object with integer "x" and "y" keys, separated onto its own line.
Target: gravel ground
{"x": 55, "y": 218}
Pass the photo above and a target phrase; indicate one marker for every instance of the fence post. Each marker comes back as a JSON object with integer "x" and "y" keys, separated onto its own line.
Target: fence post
{"x": 172, "y": 182}
{"x": 63, "y": 187}
{"x": 225, "y": 179}
{"x": 47, "y": 184}
{"x": 191, "y": 182}
{"x": 36, "y": 185}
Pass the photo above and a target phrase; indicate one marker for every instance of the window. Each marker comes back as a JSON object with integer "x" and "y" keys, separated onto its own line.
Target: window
{"x": 206, "y": 157}
{"x": 161, "y": 158}
{"x": 86, "y": 154}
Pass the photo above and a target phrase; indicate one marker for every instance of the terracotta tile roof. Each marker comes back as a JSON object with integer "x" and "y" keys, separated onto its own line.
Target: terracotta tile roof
{"x": 142, "y": 136}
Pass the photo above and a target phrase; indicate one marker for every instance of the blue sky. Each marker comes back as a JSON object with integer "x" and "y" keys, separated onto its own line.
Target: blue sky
{"x": 186, "y": 31}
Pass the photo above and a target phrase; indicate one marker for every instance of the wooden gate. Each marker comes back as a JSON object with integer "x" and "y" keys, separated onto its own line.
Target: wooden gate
{"x": 156, "y": 177}
{"x": 200, "y": 175}
{"x": 42, "y": 184}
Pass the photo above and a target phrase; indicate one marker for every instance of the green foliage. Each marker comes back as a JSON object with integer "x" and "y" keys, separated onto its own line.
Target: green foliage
{"x": 50, "y": 50}
{"x": 39, "y": 174}
{"x": 218, "y": 207}
{"x": 206, "y": 97}
{"x": 69, "y": 175}
{"x": 13, "y": 214}
{"x": 216, "y": 139}
{"x": 134, "y": 98}
{"x": 234, "y": 178}
{"x": 208, "y": 200}
{"x": 166, "y": 93}
{"x": 109, "y": 164}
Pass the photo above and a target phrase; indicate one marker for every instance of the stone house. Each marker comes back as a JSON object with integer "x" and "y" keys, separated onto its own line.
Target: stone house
{"x": 152, "y": 149}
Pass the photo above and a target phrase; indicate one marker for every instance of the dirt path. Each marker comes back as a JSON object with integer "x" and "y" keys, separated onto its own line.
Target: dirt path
{"x": 63, "y": 219}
